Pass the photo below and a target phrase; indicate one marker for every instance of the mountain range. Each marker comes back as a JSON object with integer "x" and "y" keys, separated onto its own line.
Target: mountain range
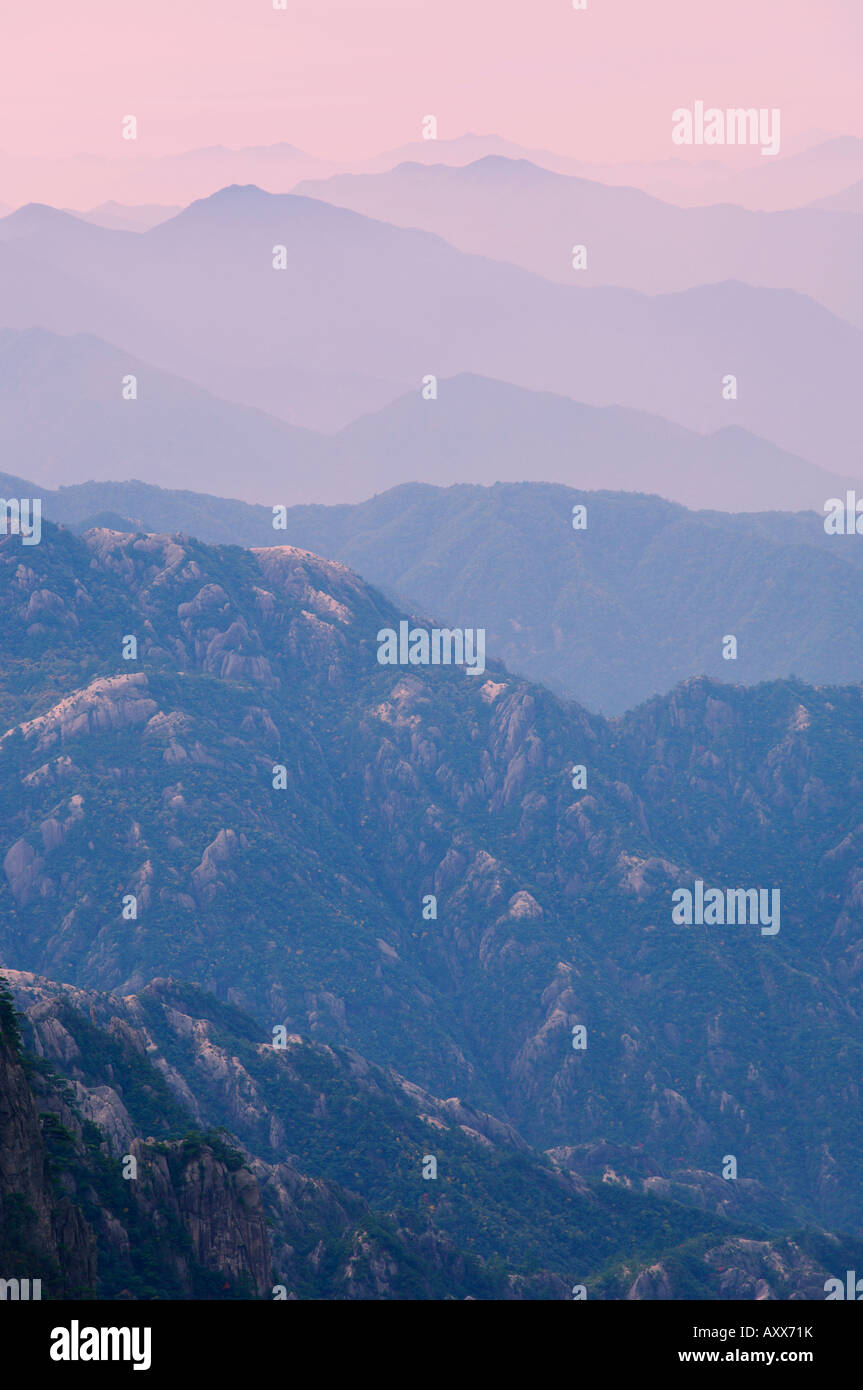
{"x": 282, "y": 810}
{"x": 364, "y": 312}
{"x": 66, "y": 419}
{"x": 529, "y": 216}
{"x": 821, "y": 165}
{"x": 133, "y": 177}
{"x": 106, "y": 1082}
{"x": 639, "y": 600}
{"x": 333, "y": 970}
{"x": 815, "y": 165}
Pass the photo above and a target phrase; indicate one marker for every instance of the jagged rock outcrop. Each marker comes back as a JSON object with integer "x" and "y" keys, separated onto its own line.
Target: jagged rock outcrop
{"x": 66, "y": 1220}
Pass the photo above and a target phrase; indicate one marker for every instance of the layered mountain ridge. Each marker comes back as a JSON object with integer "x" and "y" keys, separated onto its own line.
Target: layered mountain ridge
{"x": 281, "y": 808}
{"x": 317, "y": 314}
{"x": 347, "y": 1213}
{"x": 611, "y": 614}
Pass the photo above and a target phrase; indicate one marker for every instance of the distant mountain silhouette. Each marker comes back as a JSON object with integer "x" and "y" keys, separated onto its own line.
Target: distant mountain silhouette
{"x": 363, "y": 312}
{"x": 488, "y": 431}
{"x": 805, "y": 169}
{"x": 64, "y": 420}
{"x": 133, "y": 177}
{"x": 514, "y": 211}
{"x": 813, "y": 167}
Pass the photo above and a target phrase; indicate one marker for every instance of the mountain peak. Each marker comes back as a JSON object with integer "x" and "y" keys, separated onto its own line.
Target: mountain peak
{"x": 34, "y": 217}
{"x": 237, "y": 192}
{"x": 235, "y": 198}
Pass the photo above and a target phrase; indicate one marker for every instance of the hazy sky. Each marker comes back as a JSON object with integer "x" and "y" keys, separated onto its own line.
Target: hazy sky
{"x": 343, "y": 78}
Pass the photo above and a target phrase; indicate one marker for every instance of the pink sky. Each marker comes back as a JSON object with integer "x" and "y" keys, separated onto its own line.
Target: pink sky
{"x": 344, "y": 79}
